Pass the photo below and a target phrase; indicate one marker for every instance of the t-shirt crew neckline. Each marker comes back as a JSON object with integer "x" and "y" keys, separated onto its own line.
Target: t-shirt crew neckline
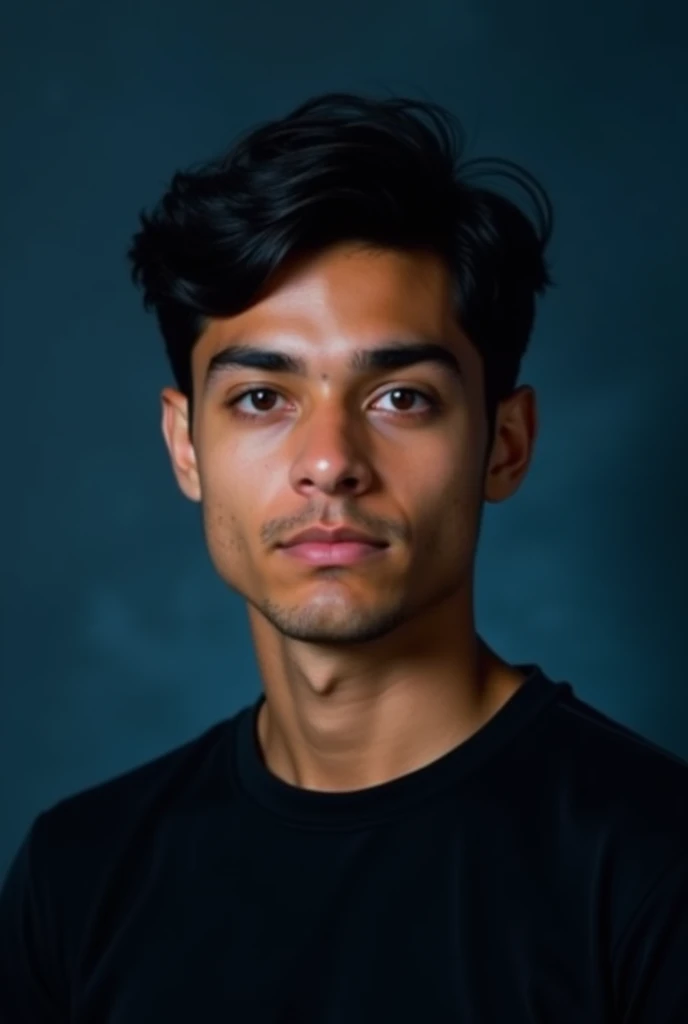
{"x": 340, "y": 810}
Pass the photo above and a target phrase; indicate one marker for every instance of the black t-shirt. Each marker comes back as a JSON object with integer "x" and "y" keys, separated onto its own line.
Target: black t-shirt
{"x": 535, "y": 874}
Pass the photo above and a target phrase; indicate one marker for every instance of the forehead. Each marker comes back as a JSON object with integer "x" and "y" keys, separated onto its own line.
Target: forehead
{"x": 344, "y": 298}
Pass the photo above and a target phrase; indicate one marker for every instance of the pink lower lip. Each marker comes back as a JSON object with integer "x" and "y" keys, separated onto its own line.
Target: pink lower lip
{"x": 343, "y": 553}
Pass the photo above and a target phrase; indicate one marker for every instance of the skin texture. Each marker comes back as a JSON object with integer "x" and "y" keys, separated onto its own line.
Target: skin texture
{"x": 371, "y": 670}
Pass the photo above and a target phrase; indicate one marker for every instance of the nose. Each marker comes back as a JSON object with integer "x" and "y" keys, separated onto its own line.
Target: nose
{"x": 332, "y": 458}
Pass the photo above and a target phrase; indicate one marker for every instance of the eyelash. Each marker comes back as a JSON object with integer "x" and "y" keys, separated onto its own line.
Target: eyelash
{"x": 433, "y": 403}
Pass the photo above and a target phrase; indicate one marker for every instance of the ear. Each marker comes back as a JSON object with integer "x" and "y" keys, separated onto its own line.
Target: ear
{"x": 175, "y": 430}
{"x": 512, "y": 449}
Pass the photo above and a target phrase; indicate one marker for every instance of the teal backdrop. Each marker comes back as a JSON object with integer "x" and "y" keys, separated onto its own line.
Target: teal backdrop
{"x": 118, "y": 639}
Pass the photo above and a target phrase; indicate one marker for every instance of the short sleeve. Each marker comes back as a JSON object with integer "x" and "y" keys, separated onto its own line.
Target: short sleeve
{"x": 651, "y": 959}
{"x": 31, "y": 988}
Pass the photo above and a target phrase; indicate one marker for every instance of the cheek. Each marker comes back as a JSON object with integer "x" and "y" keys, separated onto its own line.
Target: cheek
{"x": 237, "y": 491}
{"x": 223, "y": 520}
{"x": 447, "y": 497}
{"x": 450, "y": 474}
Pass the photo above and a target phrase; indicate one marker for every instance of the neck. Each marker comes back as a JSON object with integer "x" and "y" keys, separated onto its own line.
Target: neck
{"x": 337, "y": 721}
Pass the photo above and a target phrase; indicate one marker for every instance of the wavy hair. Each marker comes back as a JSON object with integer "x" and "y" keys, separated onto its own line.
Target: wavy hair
{"x": 343, "y": 167}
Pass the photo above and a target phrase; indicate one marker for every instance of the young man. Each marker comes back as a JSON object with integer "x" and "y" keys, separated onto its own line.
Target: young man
{"x": 404, "y": 826}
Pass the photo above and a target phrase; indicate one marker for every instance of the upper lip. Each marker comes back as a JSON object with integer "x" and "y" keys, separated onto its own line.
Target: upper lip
{"x": 320, "y": 535}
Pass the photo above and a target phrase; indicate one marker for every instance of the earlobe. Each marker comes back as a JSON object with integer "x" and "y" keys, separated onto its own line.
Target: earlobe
{"x": 515, "y": 432}
{"x": 495, "y": 475}
{"x": 175, "y": 430}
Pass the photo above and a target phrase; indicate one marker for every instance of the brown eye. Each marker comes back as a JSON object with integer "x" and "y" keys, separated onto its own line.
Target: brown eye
{"x": 403, "y": 400}
{"x": 407, "y": 396}
{"x": 262, "y": 402}
{"x": 259, "y": 400}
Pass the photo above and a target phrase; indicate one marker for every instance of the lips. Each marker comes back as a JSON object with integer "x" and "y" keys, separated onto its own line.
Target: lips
{"x": 343, "y": 552}
{"x": 341, "y": 535}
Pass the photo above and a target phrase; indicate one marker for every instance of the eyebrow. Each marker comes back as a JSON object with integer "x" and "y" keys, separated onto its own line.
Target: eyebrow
{"x": 391, "y": 356}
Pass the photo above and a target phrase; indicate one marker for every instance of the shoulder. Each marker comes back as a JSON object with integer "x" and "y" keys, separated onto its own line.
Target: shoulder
{"x": 75, "y": 842}
{"x": 621, "y": 797}
{"x": 619, "y": 763}
{"x": 76, "y": 849}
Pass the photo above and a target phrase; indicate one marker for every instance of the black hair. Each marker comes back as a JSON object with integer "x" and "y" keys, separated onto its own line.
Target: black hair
{"x": 389, "y": 173}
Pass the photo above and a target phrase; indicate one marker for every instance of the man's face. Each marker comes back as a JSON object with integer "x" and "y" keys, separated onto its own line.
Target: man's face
{"x": 398, "y": 453}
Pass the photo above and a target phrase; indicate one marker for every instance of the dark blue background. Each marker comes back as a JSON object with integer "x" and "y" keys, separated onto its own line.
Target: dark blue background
{"x": 118, "y": 639}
